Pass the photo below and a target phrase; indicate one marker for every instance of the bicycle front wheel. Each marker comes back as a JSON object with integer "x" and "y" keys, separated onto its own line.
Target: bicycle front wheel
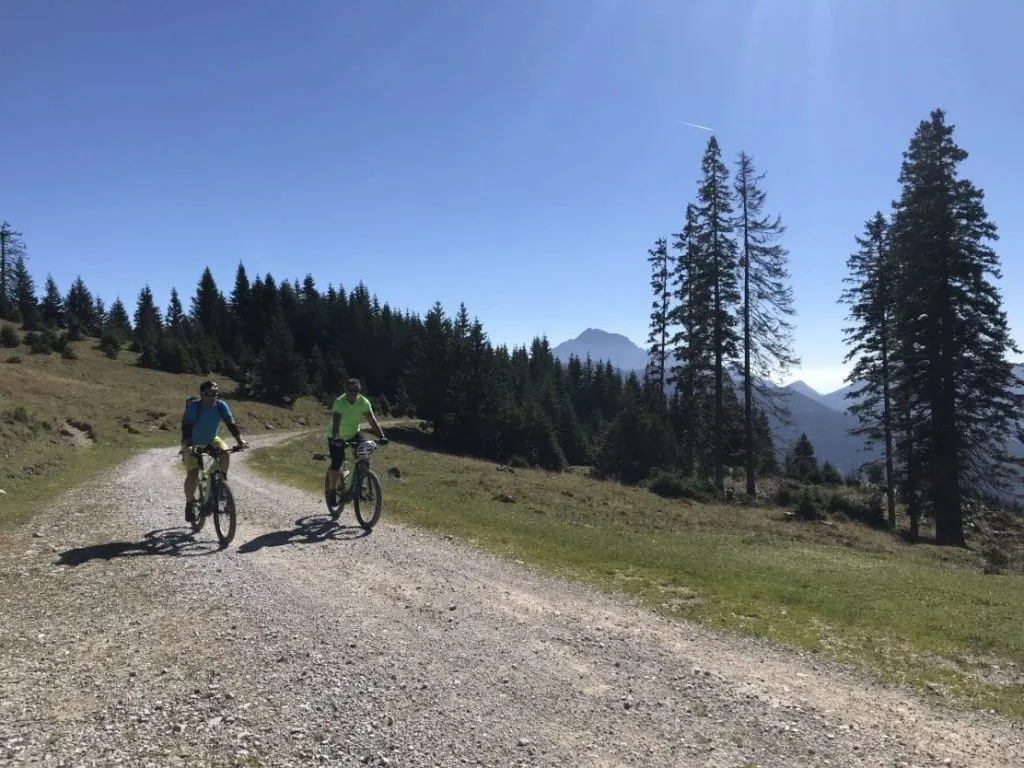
{"x": 224, "y": 515}
{"x": 366, "y": 499}
{"x": 333, "y": 498}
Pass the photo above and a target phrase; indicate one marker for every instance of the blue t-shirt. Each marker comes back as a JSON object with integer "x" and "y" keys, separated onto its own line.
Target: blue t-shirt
{"x": 206, "y": 421}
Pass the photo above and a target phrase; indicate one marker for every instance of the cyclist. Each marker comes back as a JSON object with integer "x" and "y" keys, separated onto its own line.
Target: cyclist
{"x": 347, "y": 413}
{"x": 200, "y": 423}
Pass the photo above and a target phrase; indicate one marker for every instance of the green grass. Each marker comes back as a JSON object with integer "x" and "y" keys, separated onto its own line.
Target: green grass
{"x": 914, "y": 614}
{"x": 122, "y": 407}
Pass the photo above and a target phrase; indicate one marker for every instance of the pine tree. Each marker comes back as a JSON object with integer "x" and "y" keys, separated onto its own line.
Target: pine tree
{"x": 11, "y": 249}
{"x": 148, "y": 325}
{"x": 175, "y": 318}
{"x": 23, "y": 290}
{"x": 715, "y": 279}
{"x": 80, "y": 309}
{"x": 767, "y": 304}
{"x": 872, "y": 297}
{"x": 280, "y": 372}
{"x": 118, "y": 320}
{"x": 658, "y": 339}
{"x": 52, "y": 306}
{"x": 691, "y": 344}
{"x": 951, "y": 311}
{"x": 206, "y": 302}
{"x": 801, "y": 463}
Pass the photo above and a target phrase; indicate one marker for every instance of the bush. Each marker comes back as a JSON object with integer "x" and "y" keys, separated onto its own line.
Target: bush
{"x": 830, "y": 475}
{"x": 68, "y": 353}
{"x": 14, "y": 359}
{"x": 40, "y": 343}
{"x": 808, "y": 506}
{"x": 110, "y": 344}
{"x": 9, "y": 337}
{"x": 670, "y": 485}
{"x": 785, "y": 494}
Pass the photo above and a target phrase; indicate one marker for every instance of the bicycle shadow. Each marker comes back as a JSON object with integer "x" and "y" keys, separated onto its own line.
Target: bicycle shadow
{"x": 312, "y": 529}
{"x": 170, "y": 542}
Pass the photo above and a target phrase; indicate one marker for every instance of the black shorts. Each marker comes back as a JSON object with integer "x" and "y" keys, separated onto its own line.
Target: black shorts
{"x": 338, "y": 451}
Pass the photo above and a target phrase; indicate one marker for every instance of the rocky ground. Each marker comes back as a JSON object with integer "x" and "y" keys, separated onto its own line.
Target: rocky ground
{"x": 127, "y": 641}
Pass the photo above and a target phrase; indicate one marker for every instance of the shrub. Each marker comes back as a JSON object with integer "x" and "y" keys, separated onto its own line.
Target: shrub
{"x": 14, "y": 359}
{"x": 670, "y": 485}
{"x": 808, "y": 506}
{"x": 40, "y": 343}
{"x": 830, "y": 475}
{"x": 9, "y": 337}
{"x": 110, "y": 344}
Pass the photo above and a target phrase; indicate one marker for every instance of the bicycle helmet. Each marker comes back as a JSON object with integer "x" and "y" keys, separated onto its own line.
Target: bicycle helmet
{"x": 209, "y": 386}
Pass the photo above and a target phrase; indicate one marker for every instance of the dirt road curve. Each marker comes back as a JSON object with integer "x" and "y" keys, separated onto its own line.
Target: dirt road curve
{"x": 126, "y": 642}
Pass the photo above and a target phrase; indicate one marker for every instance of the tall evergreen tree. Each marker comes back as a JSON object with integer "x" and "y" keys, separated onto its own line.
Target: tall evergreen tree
{"x": 52, "y": 306}
{"x": 23, "y": 294}
{"x": 80, "y": 308}
{"x": 148, "y": 323}
{"x": 659, "y": 336}
{"x": 767, "y": 304}
{"x": 11, "y": 248}
{"x": 691, "y": 343}
{"x": 716, "y": 280}
{"x": 118, "y": 320}
{"x": 872, "y": 300}
{"x": 175, "y": 318}
{"x": 950, "y": 310}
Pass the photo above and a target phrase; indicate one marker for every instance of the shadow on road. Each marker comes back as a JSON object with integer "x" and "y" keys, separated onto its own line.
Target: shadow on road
{"x": 307, "y": 530}
{"x": 174, "y": 542}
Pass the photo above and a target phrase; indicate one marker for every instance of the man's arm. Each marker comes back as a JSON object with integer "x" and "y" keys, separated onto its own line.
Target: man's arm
{"x": 229, "y": 421}
{"x": 335, "y": 425}
{"x": 374, "y": 423}
{"x": 186, "y": 427}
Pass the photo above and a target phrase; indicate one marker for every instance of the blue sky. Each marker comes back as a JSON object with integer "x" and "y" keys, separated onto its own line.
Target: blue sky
{"x": 518, "y": 156}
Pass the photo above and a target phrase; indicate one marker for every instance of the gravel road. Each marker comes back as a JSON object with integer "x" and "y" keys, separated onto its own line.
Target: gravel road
{"x": 126, "y": 641}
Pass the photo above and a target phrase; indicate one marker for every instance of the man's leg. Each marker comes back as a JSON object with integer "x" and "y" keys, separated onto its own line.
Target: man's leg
{"x": 191, "y": 482}
{"x": 337, "y": 453}
{"x": 225, "y": 458}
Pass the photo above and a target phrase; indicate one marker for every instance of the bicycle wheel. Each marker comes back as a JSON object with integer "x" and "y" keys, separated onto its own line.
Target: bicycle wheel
{"x": 332, "y": 498}
{"x": 200, "y": 506}
{"x": 366, "y": 499}
{"x": 224, "y": 514}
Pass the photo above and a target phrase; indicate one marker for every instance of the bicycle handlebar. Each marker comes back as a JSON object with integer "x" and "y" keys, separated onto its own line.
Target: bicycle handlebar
{"x": 212, "y": 450}
{"x": 347, "y": 443}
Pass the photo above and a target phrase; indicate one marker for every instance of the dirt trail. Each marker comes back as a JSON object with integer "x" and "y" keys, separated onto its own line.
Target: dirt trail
{"x": 126, "y": 641}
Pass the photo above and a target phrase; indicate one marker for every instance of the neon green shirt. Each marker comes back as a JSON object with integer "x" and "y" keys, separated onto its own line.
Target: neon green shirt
{"x": 351, "y": 415}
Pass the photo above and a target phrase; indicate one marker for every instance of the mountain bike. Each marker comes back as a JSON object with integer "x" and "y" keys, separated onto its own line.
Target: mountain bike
{"x": 363, "y": 486}
{"x": 215, "y": 496}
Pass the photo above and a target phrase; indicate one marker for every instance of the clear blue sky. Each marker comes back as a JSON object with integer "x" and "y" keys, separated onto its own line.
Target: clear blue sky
{"x": 520, "y": 156}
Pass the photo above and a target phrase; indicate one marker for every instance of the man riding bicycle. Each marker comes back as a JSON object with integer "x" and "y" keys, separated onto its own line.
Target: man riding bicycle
{"x": 200, "y": 423}
{"x": 347, "y": 413}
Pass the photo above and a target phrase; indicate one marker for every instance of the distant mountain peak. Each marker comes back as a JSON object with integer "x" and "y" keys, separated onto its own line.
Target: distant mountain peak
{"x": 597, "y": 336}
{"x": 614, "y": 348}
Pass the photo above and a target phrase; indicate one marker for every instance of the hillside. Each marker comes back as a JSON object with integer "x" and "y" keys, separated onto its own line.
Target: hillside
{"x": 62, "y": 419}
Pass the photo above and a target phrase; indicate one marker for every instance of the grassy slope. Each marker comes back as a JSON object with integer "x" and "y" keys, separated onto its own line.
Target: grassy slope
{"x": 914, "y": 614}
{"x": 125, "y": 407}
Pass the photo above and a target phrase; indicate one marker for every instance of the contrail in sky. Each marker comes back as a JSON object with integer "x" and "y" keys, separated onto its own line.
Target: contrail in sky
{"x": 696, "y": 125}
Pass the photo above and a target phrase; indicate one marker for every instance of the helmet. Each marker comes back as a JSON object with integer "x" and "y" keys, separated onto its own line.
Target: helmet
{"x": 365, "y": 448}
{"x": 209, "y": 386}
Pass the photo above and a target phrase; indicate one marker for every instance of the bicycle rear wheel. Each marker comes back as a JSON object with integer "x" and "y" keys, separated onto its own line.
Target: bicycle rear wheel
{"x": 224, "y": 514}
{"x": 366, "y": 499}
